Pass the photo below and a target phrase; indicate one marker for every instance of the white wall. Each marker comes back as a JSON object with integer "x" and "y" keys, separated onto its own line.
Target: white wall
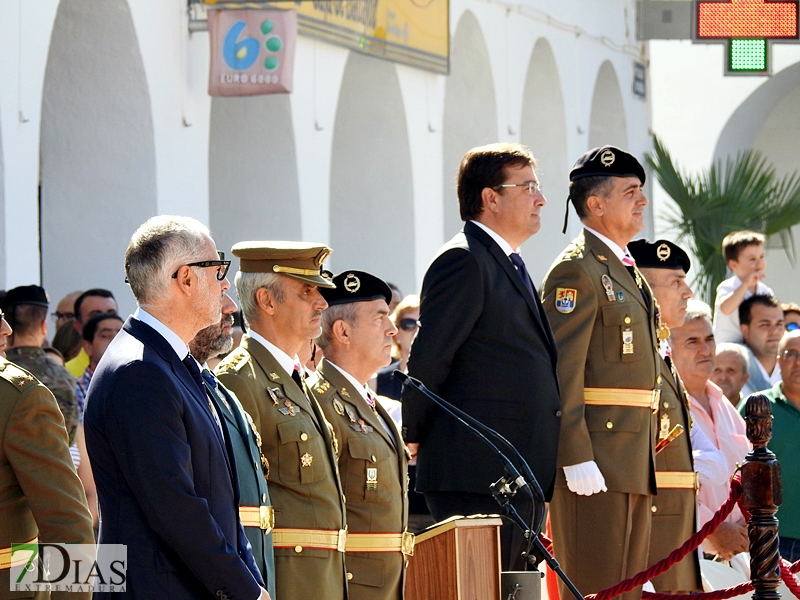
{"x": 583, "y": 34}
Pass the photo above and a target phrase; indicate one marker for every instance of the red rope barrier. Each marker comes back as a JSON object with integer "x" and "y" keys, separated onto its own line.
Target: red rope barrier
{"x": 677, "y": 555}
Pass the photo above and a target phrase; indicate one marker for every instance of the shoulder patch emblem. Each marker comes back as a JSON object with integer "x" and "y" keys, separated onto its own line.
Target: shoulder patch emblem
{"x": 566, "y": 299}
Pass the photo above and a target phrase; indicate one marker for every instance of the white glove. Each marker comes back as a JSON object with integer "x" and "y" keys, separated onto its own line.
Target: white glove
{"x": 585, "y": 478}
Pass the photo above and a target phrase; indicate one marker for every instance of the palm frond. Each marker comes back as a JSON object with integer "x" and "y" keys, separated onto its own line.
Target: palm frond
{"x": 741, "y": 192}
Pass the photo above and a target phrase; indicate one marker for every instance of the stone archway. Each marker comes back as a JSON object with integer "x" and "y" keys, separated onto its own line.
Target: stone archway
{"x": 371, "y": 192}
{"x": 470, "y": 110}
{"x": 98, "y": 167}
{"x": 543, "y": 128}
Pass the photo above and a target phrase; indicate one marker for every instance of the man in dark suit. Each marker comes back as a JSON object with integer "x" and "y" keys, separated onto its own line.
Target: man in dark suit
{"x": 485, "y": 345}
{"x": 161, "y": 455}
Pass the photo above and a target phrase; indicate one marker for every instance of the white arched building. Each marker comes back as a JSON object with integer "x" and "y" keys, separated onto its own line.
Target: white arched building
{"x": 105, "y": 120}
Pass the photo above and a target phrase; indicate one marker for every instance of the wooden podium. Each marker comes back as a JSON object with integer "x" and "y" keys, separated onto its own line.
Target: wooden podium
{"x": 457, "y": 559}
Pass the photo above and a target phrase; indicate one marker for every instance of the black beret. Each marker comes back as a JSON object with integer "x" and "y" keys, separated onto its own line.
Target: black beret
{"x": 661, "y": 254}
{"x": 609, "y": 161}
{"x": 26, "y": 294}
{"x": 356, "y": 286}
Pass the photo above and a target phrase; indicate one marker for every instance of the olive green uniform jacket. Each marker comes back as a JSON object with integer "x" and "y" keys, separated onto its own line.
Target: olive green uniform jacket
{"x": 40, "y": 493}
{"x": 606, "y": 340}
{"x": 304, "y": 479}
{"x": 253, "y": 491}
{"x": 378, "y": 507}
{"x": 675, "y": 506}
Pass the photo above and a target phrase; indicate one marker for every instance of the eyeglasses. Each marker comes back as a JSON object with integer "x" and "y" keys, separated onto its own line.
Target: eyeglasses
{"x": 221, "y": 264}
{"x": 792, "y": 326}
{"x": 533, "y": 186}
{"x": 59, "y": 315}
{"x": 408, "y": 324}
{"x": 790, "y": 355}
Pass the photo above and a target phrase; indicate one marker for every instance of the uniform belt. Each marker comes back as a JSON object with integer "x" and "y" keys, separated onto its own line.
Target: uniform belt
{"x": 262, "y": 517}
{"x": 622, "y": 397}
{"x": 7, "y": 562}
{"x": 322, "y": 539}
{"x": 676, "y": 480}
{"x": 381, "y": 542}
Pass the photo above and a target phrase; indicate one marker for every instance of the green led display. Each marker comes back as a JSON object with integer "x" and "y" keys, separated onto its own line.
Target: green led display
{"x": 748, "y": 55}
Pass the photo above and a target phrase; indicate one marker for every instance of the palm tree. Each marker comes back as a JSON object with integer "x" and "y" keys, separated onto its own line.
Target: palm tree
{"x": 743, "y": 193}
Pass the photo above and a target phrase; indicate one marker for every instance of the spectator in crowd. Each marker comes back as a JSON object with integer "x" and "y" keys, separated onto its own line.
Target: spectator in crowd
{"x": 603, "y": 317}
{"x": 54, "y": 355}
{"x": 791, "y": 316}
{"x": 357, "y": 339}
{"x": 42, "y": 496}
{"x": 98, "y": 333}
{"x": 406, "y": 318}
{"x": 784, "y": 397}
{"x": 89, "y": 303}
{"x": 693, "y": 354}
{"x": 762, "y": 328}
{"x": 397, "y": 296}
{"x": 277, "y": 285}
{"x": 25, "y": 308}
{"x": 156, "y": 441}
{"x": 68, "y": 341}
{"x": 730, "y": 370}
{"x": 482, "y": 325}
{"x": 664, "y": 266}
{"x": 744, "y": 254}
{"x": 255, "y": 509}
{"x": 64, "y": 309}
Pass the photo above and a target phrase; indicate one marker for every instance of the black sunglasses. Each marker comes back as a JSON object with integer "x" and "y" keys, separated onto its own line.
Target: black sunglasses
{"x": 408, "y": 324}
{"x": 221, "y": 264}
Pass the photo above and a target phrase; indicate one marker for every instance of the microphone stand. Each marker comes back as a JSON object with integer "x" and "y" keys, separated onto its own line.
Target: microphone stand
{"x": 502, "y": 490}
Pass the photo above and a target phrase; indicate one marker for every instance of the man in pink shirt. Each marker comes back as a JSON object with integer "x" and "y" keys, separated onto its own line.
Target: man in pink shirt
{"x": 693, "y": 351}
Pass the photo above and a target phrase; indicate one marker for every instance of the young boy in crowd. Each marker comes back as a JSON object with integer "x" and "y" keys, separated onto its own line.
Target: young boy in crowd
{"x": 744, "y": 253}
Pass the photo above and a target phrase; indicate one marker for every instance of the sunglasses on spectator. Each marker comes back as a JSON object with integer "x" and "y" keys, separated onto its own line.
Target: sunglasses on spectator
{"x": 408, "y": 324}
{"x": 792, "y": 326}
{"x": 59, "y": 315}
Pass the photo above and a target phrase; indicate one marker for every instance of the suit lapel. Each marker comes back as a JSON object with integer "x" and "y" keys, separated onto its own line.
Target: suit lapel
{"x": 234, "y": 416}
{"x": 156, "y": 341}
{"x": 505, "y": 264}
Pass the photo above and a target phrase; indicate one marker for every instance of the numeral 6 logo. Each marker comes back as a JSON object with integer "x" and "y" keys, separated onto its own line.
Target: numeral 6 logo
{"x": 239, "y": 55}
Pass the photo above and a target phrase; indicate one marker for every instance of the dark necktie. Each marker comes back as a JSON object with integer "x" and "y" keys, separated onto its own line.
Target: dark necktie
{"x": 516, "y": 259}
{"x": 297, "y": 378}
{"x": 213, "y": 388}
{"x": 191, "y": 365}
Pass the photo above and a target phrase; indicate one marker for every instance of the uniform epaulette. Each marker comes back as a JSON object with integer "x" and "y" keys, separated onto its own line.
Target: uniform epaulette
{"x": 235, "y": 360}
{"x": 576, "y": 252}
{"x": 322, "y": 388}
{"x": 17, "y": 376}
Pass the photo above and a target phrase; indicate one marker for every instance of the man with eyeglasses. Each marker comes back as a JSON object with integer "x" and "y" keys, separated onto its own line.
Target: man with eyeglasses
{"x": 484, "y": 344}
{"x": 784, "y": 397}
{"x": 604, "y": 321}
{"x": 89, "y": 303}
{"x": 160, "y": 450}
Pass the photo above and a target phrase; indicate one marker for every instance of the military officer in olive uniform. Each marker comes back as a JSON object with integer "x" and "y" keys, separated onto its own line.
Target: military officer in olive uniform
{"x": 604, "y": 321}
{"x": 26, "y": 310}
{"x": 357, "y": 341}
{"x": 43, "y": 498}
{"x": 255, "y": 510}
{"x": 277, "y": 285}
{"x": 665, "y": 265}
